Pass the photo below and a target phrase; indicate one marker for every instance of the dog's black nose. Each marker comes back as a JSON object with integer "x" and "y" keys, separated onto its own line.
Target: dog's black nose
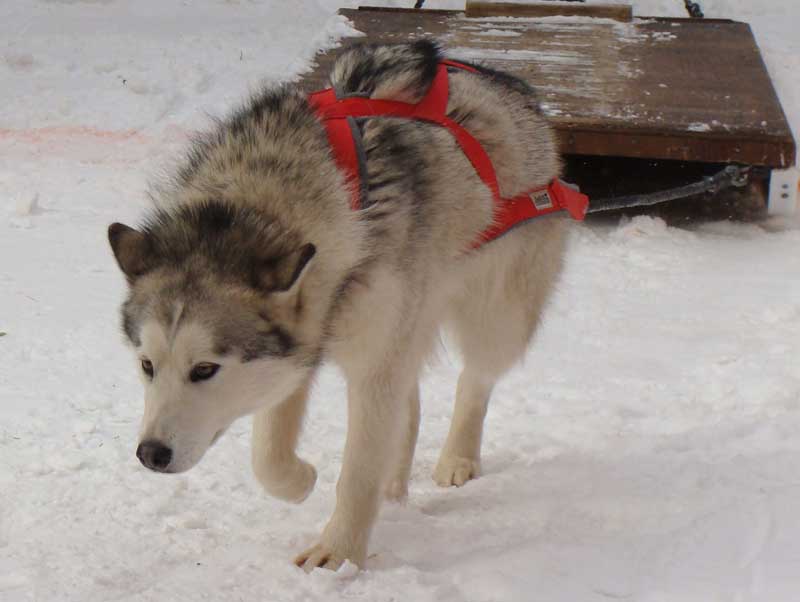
{"x": 154, "y": 455}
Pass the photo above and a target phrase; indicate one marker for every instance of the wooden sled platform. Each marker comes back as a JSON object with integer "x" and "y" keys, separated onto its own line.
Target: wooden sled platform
{"x": 685, "y": 90}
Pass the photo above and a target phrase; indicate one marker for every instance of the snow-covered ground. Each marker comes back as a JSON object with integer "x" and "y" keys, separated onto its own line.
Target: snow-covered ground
{"x": 647, "y": 450}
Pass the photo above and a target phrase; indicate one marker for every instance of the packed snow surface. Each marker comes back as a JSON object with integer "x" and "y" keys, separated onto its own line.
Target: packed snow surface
{"x": 647, "y": 449}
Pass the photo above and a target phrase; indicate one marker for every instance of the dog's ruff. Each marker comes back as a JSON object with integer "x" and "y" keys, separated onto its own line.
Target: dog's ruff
{"x": 254, "y": 270}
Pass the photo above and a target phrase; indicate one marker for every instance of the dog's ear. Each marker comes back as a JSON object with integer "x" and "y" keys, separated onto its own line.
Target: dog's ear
{"x": 131, "y": 249}
{"x": 284, "y": 275}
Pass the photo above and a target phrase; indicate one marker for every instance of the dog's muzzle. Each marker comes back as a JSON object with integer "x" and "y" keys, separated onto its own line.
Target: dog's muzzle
{"x": 154, "y": 455}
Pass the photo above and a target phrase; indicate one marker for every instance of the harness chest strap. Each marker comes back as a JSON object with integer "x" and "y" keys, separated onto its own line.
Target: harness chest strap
{"x": 337, "y": 115}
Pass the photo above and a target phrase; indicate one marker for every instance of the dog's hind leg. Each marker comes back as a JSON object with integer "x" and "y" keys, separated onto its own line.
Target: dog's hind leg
{"x": 275, "y": 463}
{"x": 397, "y": 488}
{"x": 493, "y": 325}
{"x": 460, "y": 458}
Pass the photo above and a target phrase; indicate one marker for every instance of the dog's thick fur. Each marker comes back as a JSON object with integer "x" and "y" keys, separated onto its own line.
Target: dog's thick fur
{"x": 255, "y": 262}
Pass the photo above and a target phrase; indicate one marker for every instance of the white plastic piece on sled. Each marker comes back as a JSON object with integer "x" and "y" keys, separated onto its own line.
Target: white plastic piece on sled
{"x": 783, "y": 191}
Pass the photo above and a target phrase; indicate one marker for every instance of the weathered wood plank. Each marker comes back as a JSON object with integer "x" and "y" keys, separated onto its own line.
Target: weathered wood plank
{"x": 481, "y": 8}
{"x": 694, "y": 90}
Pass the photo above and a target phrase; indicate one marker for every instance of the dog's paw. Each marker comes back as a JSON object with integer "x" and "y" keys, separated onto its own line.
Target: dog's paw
{"x": 455, "y": 470}
{"x": 329, "y": 556}
{"x": 291, "y": 482}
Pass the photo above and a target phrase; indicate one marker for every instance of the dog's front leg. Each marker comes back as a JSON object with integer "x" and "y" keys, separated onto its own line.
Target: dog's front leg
{"x": 375, "y": 424}
{"x": 397, "y": 488}
{"x": 275, "y": 463}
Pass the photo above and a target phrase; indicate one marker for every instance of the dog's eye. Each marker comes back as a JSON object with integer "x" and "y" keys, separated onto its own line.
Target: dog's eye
{"x": 147, "y": 368}
{"x": 203, "y": 372}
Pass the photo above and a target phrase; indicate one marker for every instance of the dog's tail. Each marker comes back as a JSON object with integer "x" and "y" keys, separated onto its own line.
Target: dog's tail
{"x": 401, "y": 72}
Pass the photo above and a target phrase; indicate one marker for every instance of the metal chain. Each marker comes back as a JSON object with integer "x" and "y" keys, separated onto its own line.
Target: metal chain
{"x": 731, "y": 176}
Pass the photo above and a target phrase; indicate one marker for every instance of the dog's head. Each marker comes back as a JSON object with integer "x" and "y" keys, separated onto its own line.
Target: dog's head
{"x": 217, "y": 313}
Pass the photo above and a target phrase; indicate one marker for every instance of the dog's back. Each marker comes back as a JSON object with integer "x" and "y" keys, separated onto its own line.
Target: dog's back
{"x": 417, "y": 177}
{"x": 500, "y": 110}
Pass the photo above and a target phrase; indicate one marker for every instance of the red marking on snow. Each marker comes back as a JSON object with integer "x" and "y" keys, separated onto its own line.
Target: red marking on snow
{"x": 47, "y": 134}
{"x": 84, "y": 144}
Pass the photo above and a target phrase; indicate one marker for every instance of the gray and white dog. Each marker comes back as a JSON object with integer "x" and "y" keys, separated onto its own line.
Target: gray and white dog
{"x": 253, "y": 270}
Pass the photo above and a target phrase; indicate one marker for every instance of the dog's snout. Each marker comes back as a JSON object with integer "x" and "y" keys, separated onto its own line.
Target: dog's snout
{"x": 154, "y": 455}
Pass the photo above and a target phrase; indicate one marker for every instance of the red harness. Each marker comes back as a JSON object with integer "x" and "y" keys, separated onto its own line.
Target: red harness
{"x": 509, "y": 212}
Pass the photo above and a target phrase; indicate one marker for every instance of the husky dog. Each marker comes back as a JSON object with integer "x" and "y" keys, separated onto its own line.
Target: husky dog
{"x": 253, "y": 270}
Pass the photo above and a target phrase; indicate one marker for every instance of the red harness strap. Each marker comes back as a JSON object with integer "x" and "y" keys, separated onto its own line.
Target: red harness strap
{"x": 509, "y": 212}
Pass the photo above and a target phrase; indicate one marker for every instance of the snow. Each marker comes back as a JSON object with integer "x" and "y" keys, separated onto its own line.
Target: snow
{"x": 646, "y": 450}
{"x": 699, "y": 126}
{"x": 499, "y": 33}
